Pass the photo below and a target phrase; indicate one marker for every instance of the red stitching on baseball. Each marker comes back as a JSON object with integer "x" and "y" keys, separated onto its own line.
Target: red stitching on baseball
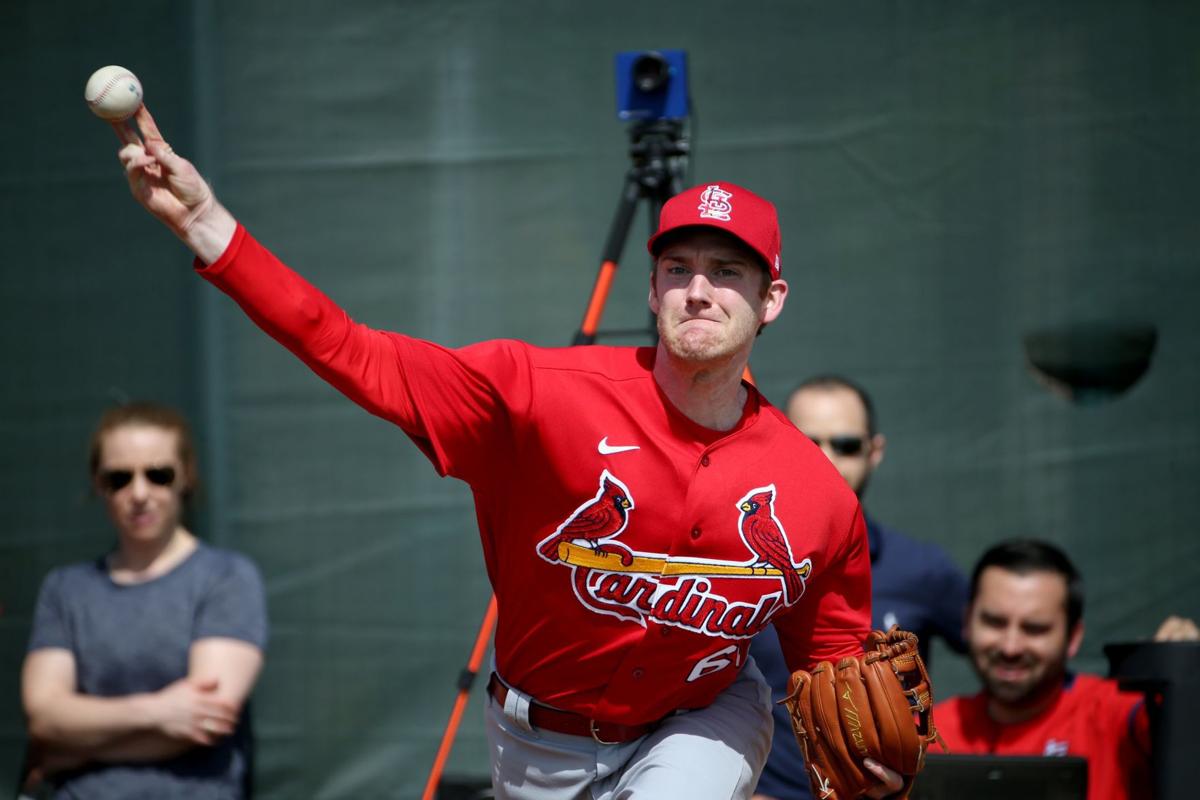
{"x": 111, "y": 83}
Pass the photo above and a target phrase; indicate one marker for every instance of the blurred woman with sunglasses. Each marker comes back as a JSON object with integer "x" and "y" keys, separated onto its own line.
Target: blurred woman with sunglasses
{"x": 140, "y": 662}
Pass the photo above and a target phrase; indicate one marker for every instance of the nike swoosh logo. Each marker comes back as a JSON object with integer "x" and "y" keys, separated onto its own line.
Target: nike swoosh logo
{"x": 607, "y": 449}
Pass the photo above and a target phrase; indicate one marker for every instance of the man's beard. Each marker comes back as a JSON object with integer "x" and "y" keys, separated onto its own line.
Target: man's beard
{"x": 1040, "y": 680}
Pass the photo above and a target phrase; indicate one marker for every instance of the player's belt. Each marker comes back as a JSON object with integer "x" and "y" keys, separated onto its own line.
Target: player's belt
{"x": 552, "y": 719}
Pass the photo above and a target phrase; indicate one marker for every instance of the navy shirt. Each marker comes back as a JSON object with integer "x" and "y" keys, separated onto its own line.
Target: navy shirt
{"x": 914, "y": 585}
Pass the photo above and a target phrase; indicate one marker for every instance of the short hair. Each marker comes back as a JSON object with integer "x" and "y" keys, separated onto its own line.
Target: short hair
{"x": 831, "y": 381}
{"x": 1024, "y": 556}
{"x": 153, "y": 415}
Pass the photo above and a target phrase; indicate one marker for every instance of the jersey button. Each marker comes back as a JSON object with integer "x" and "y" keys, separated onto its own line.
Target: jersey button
{"x": 704, "y": 461}
{"x": 638, "y": 673}
{"x": 695, "y": 533}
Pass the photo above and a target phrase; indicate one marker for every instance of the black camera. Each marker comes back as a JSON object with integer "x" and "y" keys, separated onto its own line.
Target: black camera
{"x": 652, "y": 84}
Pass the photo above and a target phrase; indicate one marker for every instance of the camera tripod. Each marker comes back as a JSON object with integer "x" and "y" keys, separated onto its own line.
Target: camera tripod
{"x": 659, "y": 153}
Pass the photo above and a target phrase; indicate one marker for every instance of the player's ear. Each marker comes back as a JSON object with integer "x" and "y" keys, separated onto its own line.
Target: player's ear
{"x": 654, "y": 306}
{"x": 773, "y": 303}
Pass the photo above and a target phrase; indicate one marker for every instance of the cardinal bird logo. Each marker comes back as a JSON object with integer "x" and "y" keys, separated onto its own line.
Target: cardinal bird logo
{"x": 594, "y": 522}
{"x": 763, "y": 535}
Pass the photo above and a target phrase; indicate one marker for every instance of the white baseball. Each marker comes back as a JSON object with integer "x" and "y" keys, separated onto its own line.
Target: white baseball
{"x": 113, "y": 93}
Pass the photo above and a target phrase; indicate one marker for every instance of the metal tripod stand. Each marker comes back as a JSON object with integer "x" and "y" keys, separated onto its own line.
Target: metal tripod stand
{"x": 659, "y": 151}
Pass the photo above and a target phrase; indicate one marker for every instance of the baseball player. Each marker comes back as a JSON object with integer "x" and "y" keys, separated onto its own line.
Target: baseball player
{"x": 673, "y": 511}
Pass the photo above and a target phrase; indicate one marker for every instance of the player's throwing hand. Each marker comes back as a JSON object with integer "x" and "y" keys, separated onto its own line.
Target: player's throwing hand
{"x": 171, "y": 189}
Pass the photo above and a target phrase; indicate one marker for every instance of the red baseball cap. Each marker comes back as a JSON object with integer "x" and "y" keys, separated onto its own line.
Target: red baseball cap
{"x": 729, "y": 208}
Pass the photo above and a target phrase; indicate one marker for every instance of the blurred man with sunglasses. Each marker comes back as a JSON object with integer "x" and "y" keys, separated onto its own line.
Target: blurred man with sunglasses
{"x": 914, "y": 584}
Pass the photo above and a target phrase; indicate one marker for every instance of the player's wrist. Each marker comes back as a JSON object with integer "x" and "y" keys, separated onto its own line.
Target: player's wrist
{"x": 208, "y": 232}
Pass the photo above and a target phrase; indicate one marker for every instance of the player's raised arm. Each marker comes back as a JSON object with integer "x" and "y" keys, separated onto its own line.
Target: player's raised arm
{"x": 357, "y": 360}
{"x": 169, "y": 187}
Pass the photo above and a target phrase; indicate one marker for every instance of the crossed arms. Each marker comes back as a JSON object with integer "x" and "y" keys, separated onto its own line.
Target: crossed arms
{"x": 68, "y": 729}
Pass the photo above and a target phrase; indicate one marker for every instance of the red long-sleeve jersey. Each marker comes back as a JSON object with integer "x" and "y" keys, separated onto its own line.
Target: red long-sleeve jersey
{"x": 614, "y": 528}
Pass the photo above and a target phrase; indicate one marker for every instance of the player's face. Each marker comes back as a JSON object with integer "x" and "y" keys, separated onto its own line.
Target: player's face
{"x": 1018, "y": 638}
{"x": 141, "y": 479}
{"x": 708, "y": 296}
{"x": 837, "y": 421}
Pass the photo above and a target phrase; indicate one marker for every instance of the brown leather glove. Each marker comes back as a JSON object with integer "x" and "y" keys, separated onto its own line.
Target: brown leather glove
{"x": 878, "y": 705}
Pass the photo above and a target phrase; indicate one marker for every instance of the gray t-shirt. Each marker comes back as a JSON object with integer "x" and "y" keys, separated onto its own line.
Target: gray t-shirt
{"x": 128, "y": 639}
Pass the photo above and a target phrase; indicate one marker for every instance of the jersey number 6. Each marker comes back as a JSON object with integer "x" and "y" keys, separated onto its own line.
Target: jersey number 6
{"x": 715, "y": 662}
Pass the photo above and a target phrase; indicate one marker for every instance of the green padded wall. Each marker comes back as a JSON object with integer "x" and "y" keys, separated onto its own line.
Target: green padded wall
{"x": 951, "y": 176}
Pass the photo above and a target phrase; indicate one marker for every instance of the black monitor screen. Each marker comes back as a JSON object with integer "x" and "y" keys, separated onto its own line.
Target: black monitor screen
{"x": 983, "y": 777}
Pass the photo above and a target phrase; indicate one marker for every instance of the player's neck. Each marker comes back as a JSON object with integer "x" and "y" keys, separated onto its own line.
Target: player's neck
{"x": 711, "y": 395}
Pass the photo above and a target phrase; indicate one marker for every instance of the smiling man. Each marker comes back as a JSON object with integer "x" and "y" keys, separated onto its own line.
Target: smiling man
{"x": 1024, "y": 623}
{"x": 628, "y": 592}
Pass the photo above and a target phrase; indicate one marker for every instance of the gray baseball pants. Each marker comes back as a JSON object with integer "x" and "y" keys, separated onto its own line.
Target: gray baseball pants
{"x": 713, "y": 753}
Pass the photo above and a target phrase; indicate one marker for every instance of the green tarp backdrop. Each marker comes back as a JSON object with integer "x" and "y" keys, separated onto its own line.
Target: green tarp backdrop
{"x": 951, "y": 177}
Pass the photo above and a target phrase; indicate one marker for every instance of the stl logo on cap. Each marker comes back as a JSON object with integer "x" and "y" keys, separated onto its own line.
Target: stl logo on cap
{"x": 714, "y": 203}
{"x": 711, "y": 205}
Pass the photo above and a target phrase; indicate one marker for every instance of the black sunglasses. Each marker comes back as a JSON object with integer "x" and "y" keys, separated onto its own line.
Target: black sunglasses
{"x": 114, "y": 480}
{"x": 843, "y": 445}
